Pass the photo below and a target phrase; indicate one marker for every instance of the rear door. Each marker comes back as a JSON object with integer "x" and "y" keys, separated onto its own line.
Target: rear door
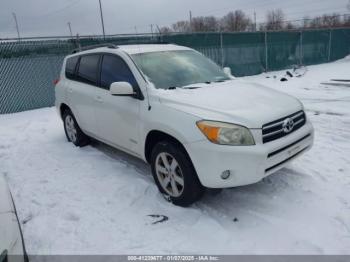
{"x": 82, "y": 92}
{"x": 117, "y": 116}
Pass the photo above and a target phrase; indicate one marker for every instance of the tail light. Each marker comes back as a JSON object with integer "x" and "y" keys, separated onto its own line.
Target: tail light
{"x": 55, "y": 82}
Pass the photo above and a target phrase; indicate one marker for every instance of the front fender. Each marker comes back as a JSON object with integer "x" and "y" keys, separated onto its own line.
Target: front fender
{"x": 175, "y": 123}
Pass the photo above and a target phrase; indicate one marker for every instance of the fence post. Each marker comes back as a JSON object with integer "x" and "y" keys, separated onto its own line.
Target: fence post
{"x": 301, "y": 50}
{"x": 78, "y": 42}
{"x": 330, "y": 45}
{"x": 222, "y": 50}
{"x": 266, "y": 53}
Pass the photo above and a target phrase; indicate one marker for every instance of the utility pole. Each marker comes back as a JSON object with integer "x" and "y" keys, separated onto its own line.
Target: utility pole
{"x": 160, "y": 34}
{"x": 70, "y": 30}
{"x": 190, "y": 21}
{"x": 254, "y": 21}
{"x": 103, "y": 25}
{"x": 151, "y": 25}
{"x": 15, "y": 17}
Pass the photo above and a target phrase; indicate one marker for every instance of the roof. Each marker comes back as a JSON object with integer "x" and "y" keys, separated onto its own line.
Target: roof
{"x": 137, "y": 49}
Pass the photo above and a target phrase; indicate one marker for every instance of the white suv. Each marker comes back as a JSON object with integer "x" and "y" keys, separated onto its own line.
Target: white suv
{"x": 174, "y": 108}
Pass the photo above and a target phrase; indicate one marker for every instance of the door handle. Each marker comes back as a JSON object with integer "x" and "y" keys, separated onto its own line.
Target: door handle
{"x": 99, "y": 99}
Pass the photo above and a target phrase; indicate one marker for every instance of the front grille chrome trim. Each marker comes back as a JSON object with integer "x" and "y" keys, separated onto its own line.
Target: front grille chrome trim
{"x": 281, "y": 122}
{"x": 273, "y": 133}
{"x": 275, "y": 130}
{"x": 281, "y": 130}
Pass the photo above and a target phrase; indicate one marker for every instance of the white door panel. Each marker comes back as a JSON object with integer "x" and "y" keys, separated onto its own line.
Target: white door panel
{"x": 81, "y": 99}
{"x": 117, "y": 119}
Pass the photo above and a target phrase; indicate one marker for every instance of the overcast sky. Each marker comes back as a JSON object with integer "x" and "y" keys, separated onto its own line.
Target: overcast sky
{"x": 50, "y": 17}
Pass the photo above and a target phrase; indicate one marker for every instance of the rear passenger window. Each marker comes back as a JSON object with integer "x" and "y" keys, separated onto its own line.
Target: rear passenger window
{"x": 88, "y": 69}
{"x": 71, "y": 64}
{"x": 114, "y": 69}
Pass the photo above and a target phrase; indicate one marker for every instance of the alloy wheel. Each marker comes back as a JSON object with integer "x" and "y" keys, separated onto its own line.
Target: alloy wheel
{"x": 70, "y": 128}
{"x": 169, "y": 174}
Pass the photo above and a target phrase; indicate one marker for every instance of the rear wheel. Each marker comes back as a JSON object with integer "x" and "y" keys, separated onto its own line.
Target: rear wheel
{"x": 175, "y": 175}
{"x": 73, "y": 132}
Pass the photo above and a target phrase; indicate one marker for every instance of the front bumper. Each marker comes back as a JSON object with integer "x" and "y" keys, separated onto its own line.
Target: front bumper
{"x": 247, "y": 164}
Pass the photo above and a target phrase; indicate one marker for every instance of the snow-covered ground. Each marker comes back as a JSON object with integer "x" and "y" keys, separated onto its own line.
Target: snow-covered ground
{"x": 97, "y": 200}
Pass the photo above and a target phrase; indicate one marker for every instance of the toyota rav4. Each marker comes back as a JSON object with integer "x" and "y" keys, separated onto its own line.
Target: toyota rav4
{"x": 192, "y": 121}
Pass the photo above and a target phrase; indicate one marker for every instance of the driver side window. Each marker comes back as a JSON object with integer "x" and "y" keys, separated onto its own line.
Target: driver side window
{"x": 114, "y": 69}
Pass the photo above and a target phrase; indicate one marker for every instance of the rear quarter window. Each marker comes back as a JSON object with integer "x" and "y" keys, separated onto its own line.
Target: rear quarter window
{"x": 71, "y": 64}
{"x": 88, "y": 68}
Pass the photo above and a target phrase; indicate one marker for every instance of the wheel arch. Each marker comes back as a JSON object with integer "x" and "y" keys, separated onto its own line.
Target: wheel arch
{"x": 155, "y": 136}
{"x": 63, "y": 108}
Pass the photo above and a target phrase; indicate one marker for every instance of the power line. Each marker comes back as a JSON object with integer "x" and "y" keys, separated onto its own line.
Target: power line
{"x": 53, "y": 12}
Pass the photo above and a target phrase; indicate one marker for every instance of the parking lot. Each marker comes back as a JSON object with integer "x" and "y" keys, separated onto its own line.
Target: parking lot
{"x": 98, "y": 200}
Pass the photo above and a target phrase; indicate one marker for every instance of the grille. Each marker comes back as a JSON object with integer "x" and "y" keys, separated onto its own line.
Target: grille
{"x": 283, "y": 126}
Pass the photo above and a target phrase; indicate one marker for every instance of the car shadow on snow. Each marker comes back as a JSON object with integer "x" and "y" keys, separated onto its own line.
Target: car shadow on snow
{"x": 120, "y": 156}
{"x": 231, "y": 201}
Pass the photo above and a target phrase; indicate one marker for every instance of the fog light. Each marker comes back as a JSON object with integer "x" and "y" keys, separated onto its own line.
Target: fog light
{"x": 226, "y": 174}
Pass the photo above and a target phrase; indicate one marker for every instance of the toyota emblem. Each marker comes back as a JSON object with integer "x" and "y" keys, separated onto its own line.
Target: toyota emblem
{"x": 288, "y": 125}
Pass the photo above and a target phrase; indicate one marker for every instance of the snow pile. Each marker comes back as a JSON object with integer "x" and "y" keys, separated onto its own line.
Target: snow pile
{"x": 99, "y": 200}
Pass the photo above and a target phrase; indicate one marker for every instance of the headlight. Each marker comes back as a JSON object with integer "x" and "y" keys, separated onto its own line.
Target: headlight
{"x": 226, "y": 134}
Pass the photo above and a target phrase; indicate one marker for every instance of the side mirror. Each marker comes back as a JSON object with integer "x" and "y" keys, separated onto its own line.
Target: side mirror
{"x": 121, "y": 89}
{"x": 228, "y": 72}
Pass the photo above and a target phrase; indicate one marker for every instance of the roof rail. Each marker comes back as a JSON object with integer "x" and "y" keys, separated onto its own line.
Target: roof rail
{"x": 89, "y": 47}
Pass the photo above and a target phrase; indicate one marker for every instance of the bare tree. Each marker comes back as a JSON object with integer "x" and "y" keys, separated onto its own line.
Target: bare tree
{"x": 165, "y": 30}
{"x": 290, "y": 26}
{"x": 346, "y": 21}
{"x": 239, "y": 21}
{"x": 204, "y": 24}
{"x": 236, "y": 21}
{"x": 181, "y": 26}
{"x": 275, "y": 20}
{"x": 327, "y": 21}
{"x": 316, "y": 22}
{"x": 331, "y": 20}
{"x": 306, "y": 22}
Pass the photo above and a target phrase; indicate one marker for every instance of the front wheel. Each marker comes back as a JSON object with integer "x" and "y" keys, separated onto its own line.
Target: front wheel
{"x": 175, "y": 175}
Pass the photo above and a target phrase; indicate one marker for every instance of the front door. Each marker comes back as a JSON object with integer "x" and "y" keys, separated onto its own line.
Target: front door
{"x": 117, "y": 116}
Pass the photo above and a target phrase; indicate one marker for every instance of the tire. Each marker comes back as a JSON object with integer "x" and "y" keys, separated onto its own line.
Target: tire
{"x": 73, "y": 132}
{"x": 180, "y": 175}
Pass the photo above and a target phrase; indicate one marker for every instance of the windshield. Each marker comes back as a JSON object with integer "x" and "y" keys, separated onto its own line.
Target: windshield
{"x": 171, "y": 69}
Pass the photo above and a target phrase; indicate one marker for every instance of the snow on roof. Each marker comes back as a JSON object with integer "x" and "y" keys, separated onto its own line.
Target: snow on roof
{"x": 136, "y": 49}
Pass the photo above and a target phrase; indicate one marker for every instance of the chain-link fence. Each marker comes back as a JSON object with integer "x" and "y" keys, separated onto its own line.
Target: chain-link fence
{"x": 28, "y": 68}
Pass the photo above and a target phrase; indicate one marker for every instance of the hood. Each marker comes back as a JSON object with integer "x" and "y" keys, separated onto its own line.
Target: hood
{"x": 235, "y": 101}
